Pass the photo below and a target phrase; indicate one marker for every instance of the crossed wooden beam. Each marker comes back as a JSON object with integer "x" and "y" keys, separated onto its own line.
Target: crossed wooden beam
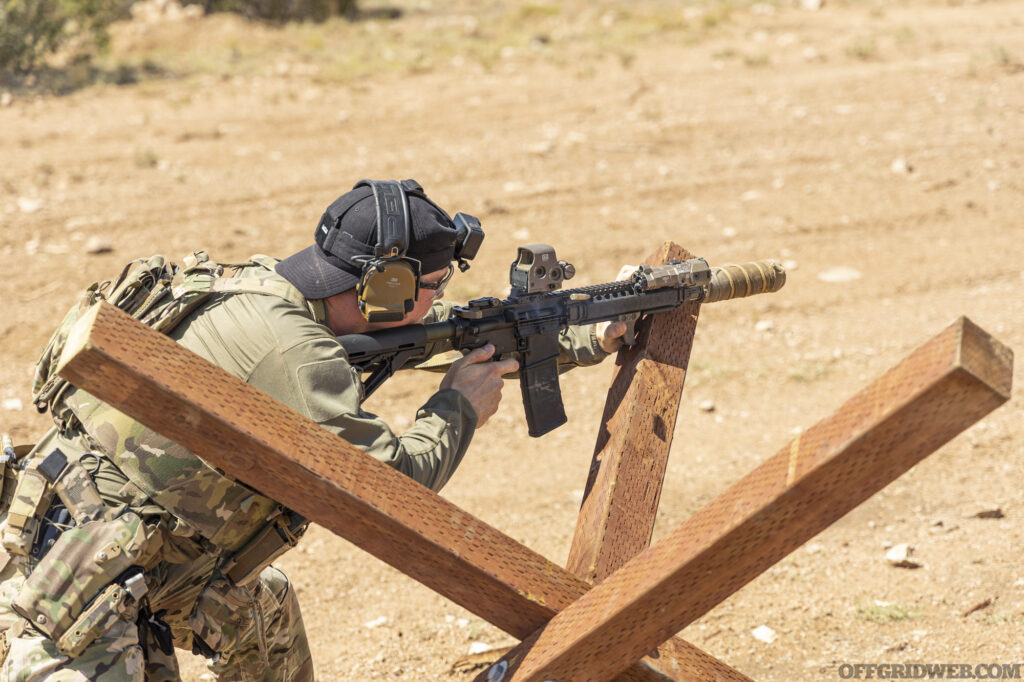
{"x": 612, "y": 613}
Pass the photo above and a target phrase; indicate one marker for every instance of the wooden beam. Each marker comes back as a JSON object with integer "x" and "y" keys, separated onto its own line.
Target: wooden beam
{"x": 938, "y": 391}
{"x": 273, "y": 449}
{"x": 620, "y": 501}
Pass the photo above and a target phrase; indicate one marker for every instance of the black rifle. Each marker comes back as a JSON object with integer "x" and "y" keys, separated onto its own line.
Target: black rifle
{"x": 526, "y": 325}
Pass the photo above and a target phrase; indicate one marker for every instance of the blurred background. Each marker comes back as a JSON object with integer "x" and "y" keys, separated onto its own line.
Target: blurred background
{"x": 873, "y": 147}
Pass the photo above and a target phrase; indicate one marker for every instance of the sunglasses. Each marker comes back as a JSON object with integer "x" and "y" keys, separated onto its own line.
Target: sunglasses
{"x": 438, "y": 286}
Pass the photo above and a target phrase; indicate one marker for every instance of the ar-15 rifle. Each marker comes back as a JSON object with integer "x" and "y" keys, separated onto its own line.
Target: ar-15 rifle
{"x": 526, "y": 325}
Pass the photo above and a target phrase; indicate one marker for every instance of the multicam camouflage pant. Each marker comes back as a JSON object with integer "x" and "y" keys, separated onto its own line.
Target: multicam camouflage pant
{"x": 256, "y": 631}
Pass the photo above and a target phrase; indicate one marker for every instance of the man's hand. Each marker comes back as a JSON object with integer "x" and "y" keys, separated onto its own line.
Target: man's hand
{"x": 479, "y": 380}
{"x": 609, "y": 334}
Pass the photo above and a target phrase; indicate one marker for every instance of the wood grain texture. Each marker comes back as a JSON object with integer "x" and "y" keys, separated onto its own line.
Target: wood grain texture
{"x": 623, "y": 489}
{"x": 938, "y": 391}
{"x": 290, "y": 458}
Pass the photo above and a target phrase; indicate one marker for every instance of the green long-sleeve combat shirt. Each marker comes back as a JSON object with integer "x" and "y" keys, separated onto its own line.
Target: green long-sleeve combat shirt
{"x": 285, "y": 351}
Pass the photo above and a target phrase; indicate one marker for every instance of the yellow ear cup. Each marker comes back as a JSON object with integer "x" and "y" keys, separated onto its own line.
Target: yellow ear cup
{"x": 388, "y": 291}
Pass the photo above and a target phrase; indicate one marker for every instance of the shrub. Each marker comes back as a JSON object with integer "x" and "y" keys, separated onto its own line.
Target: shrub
{"x": 282, "y": 10}
{"x": 32, "y": 29}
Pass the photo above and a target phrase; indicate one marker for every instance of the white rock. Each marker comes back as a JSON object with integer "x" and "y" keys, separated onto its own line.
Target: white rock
{"x": 750, "y": 195}
{"x": 707, "y": 405}
{"x": 810, "y": 54}
{"x": 96, "y": 245}
{"x": 521, "y": 234}
{"x": 6, "y": 99}
{"x": 13, "y": 404}
{"x": 839, "y": 274}
{"x": 462, "y": 622}
{"x": 479, "y": 648}
{"x": 901, "y": 167}
{"x": 764, "y": 326}
{"x": 763, "y": 633}
{"x": 29, "y": 205}
{"x": 729, "y": 232}
{"x": 899, "y": 556}
{"x": 376, "y": 622}
{"x": 811, "y": 5}
{"x": 790, "y": 265}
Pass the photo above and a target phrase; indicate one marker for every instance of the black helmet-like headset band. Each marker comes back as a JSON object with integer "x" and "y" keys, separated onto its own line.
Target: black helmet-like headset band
{"x": 393, "y": 221}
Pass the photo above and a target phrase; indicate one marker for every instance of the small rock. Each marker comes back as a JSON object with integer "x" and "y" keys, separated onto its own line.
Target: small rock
{"x": 707, "y": 405}
{"x": 839, "y": 274}
{"x": 941, "y": 527}
{"x": 97, "y": 245}
{"x": 790, "y": 265}
{"x": 989, "y": 513}
{"x": 6, "y": 99}
{"x": 729, "y": 232}
{"x": 521, "y": 234}
{"x": 13, "y": 404}
{"x": 541, "y": 148}
{"x": 29, "y": 205}
{"x": 810, "y": 54}
{"x": 750, "y": 195}
{"x": 901, "y": 167}
{"x": 764, "y": 326}
{"x": 479, "y": 648}
{"x": 811, "y": 5}
{"x": 462, "y": 622}
{"x": 376, "y": 622}
{"x": 763, "y": 633}
{"x": 899, "y": 556}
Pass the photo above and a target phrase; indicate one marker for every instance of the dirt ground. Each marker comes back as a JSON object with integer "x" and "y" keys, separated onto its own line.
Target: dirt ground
{"x": 877, "y": 149}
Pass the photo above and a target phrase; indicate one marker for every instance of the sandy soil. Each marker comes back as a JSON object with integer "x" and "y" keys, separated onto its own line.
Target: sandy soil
{"x": 877, "y": 138}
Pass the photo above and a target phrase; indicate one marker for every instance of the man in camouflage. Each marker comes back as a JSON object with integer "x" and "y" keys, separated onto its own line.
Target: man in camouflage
{"x": 121, "y": 545}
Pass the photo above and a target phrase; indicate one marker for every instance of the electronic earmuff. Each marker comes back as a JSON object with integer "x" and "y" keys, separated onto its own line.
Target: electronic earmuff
{"x": 389, "y": 284}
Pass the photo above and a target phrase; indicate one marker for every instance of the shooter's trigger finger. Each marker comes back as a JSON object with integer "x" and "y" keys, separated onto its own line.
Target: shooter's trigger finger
{"x": 482, "y": 354}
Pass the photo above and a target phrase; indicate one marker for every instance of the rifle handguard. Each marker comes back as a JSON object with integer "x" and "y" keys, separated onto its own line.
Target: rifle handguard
{"x": 745, "y": 279}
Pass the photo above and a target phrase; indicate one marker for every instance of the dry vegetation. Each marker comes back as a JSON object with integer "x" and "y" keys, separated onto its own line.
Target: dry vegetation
{"x": 875, "y": 147}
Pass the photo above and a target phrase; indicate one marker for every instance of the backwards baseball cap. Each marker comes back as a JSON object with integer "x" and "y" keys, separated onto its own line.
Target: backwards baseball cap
{"x": 347, "y": 234}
